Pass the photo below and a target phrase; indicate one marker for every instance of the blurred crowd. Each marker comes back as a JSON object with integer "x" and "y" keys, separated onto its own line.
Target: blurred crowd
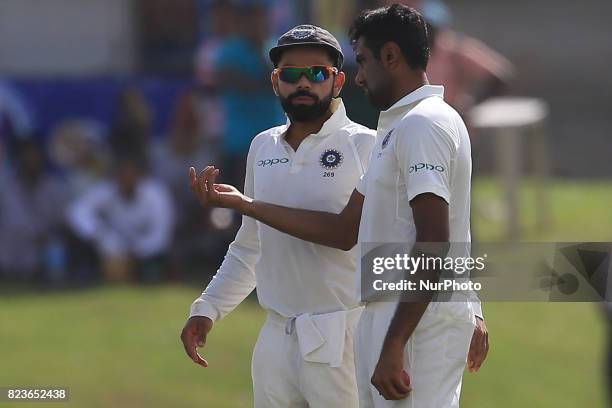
{"x": 87, "y": 202}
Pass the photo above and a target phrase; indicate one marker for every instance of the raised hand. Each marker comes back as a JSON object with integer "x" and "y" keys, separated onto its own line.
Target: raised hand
{"x": 212, "y": 194}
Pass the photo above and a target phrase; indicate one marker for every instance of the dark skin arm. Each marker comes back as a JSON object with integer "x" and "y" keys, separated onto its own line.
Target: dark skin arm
{"x": 430, "y": 214}
{"x": 324, "y": 228}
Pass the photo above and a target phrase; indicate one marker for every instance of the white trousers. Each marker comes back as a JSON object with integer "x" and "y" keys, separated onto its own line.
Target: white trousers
{"x": 283, "y": 379}
{"x": 435, "y": 355}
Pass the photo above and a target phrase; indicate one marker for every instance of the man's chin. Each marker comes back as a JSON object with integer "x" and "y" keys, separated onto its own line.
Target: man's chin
{"x": 302, "y": 118}
{"x": 374, "y": 101}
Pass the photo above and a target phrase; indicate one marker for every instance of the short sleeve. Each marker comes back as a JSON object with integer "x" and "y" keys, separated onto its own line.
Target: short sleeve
{"x": 364, "y": 144}
{"x": 361, "y": 184}
{"x": 425, "y": 152}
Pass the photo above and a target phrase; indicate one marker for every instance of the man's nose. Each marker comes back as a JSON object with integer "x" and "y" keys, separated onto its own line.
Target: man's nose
{"x": 303, "y": 82}
{"x": 359, "y": 79}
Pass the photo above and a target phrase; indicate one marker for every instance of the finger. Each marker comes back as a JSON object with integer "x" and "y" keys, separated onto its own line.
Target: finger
{"x": 200, "y": 336}
{"x": 199, "y": 341}
{"x": 475, "y": 348}
{"x": 189, "y": 342}
{"x": 193, "y": 178}
{"x": 473, "y": 356}
{"x": 210, "y": 181}
{"x": 224, "y": 188}
{"x": 406, "y": 379}
{"x": 381, "y": 390}
{"x": 483, "y": 351}
{"x": 479, "y": 355}
{"x": 200, "y": 360}
{"x": 386, "y": 389}
{"x": 208, "y": 172}
{"x": 390, "y": 391}
{"x": 399, "y": 388}
{"x": 472, "y": 363}
{"x": 204, "y": 174}
{"x": 472, "y": 353}
{"x": 378, "y": 386}
{"x": 189, "y": 345}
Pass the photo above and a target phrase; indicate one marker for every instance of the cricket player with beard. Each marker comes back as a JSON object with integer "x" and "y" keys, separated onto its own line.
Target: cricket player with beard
{"x": 416, "y": 190}
{"x": 304, "y": 353}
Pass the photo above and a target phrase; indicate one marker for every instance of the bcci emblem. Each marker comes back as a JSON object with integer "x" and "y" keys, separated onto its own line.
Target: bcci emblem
{"x": 302, "y": 33}
{"x": 331, "y": 159}
{"x": 385, "y": 141}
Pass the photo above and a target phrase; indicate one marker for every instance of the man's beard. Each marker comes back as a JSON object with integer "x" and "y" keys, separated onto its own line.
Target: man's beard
{"x": 305, "y": 113}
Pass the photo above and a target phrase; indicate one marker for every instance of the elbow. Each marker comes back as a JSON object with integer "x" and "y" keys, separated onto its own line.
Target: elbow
{"x": 349, "y": 240}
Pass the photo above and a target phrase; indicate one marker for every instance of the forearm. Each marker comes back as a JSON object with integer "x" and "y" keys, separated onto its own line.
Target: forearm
{"x": 413, "y": 304}
{"x": 235, "y": 279}
{"x": 333, "y": 230}
{"x": 405, "y": 320}
{"x": 320, "y": 227}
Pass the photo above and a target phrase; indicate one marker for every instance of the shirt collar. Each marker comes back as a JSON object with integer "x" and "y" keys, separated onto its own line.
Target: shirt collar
{"x": 335, "y": 121}
{"x": 400, "y": 107}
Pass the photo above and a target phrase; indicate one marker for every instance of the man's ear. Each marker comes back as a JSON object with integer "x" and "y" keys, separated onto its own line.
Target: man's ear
{"x": 274, "y": 81}
{"x": 339, "y": 83}
{"x": 390, "y": 55}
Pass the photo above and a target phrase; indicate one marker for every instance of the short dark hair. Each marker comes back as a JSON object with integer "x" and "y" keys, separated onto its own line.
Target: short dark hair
{"x": 398, "y": 23}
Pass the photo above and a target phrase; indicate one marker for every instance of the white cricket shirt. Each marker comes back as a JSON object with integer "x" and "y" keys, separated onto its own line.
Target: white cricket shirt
{"x": 293, "y": 276}
{"x": 422, "y": 147}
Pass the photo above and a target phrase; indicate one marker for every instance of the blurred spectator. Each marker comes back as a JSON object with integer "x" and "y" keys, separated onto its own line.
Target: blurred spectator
{"x": 168, "y": 35}
{"x": 31, "y": 214}
{"x": 222, "y": 23}
{"x": 171, "y": 157}
{"x": 129, "y": 220}
{"x": 15, "y": 120}
{"x": 78, "y": 148}
{"x": 133, "y": 124}
{"x": 243, "y": 75}
{"x": 469, "y": 70}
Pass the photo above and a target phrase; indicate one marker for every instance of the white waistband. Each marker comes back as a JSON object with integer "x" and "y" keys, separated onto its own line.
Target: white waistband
{"x": 321, "y": 337}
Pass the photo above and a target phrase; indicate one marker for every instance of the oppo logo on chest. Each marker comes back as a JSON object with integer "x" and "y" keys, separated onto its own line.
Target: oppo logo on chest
{"x": 272, "y": 162}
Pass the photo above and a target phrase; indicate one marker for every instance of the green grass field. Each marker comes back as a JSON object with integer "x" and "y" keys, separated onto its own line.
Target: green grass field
{"x": 120, "y": 347}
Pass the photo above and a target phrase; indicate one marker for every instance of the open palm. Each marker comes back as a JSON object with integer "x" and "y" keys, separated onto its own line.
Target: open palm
{"x": 212, "y": 194}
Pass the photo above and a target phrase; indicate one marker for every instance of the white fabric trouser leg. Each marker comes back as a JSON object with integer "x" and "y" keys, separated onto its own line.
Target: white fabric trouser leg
{"x": 281, "y": 377}
{"x": 435, "y": 355}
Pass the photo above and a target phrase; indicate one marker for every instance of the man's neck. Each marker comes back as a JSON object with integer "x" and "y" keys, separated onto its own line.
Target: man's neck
{"x": 406, "y": 85}
{"x": 298, "y": 131}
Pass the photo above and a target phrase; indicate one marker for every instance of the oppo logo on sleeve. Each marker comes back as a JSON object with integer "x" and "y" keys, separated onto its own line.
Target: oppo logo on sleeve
{"x": 415, "y": 168}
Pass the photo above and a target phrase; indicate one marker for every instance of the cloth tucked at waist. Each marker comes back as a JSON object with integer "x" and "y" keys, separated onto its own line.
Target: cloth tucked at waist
{"x": 321, "y": 337}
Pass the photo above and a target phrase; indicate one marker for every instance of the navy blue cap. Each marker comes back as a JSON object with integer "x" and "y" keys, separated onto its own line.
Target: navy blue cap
{"x": 307, "y": 34}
